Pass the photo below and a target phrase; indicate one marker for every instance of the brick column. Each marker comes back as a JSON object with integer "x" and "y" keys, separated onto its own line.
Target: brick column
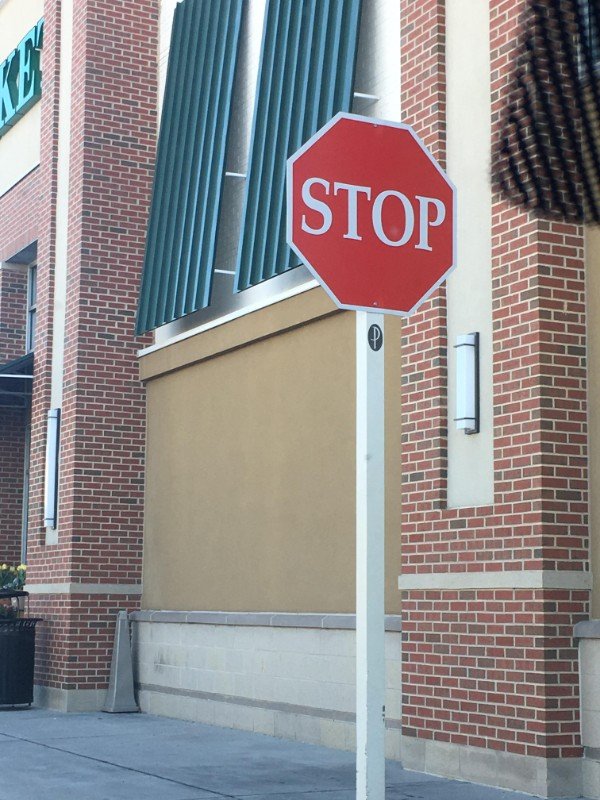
{"x": 38, "y": 555}
{"x": 95, "y": 568}
{"x": 489, "y": 661}
{"x": 424, "y": 342}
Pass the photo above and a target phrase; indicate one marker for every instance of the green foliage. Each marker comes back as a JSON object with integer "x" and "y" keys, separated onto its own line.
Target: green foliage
{"x": 12, "y": 577}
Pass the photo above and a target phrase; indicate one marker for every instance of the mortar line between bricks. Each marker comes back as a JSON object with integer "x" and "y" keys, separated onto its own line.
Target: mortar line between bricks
{"x": 120, "y": 766}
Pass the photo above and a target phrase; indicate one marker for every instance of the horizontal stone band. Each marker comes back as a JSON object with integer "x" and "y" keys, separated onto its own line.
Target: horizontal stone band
{"x": 84, "y": 588}
{"x": 505, "y": 579}
{"x": 270, "y": 705}
{"x": 393, "y": 622}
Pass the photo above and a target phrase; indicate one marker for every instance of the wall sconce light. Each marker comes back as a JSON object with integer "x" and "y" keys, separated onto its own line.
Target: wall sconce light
{"x": 51, "y": 478}
{"x": 467, "y": 382}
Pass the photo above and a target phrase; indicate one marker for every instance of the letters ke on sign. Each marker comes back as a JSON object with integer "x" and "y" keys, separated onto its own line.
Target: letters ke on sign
{"x": 21, "y": 79}
{"x": 372, "y": 215}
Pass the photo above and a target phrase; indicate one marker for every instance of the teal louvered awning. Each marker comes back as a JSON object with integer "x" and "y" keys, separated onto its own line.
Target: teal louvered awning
{"x": 188, "y": 183}
{"x": 306, "y": 76}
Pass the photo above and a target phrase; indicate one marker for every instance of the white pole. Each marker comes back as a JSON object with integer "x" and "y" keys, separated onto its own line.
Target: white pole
{"x": 370, "y": 558}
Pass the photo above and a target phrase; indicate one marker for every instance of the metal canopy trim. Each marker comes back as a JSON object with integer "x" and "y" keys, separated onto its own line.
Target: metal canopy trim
{"x": 25, "y": 257}
{"x": 16, "y": 379}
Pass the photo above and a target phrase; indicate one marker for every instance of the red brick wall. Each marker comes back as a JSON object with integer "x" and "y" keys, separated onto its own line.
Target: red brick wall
{"x": 103, "y": 410}
{"x": 38, "y": 554}
{"x": 74, "y": 643}
{"x": 19, "y": 227}
{"x": 12, "y": 462}
{"x": 494, "y": 668}
{"x": 423, "y": 64}
{"x": 497, "y": 668}
{"x": 13, "y": 313}
{"x": 19, "y": 216}
{"x": 424, "y": 376}
{"x": 113, "y": 130}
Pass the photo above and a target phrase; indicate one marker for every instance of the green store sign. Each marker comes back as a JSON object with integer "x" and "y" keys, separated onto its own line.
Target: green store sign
{"x": 21, "y": 79}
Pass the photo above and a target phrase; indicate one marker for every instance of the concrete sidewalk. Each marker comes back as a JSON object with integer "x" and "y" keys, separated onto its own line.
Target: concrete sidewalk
{"x": 50, "y": 756}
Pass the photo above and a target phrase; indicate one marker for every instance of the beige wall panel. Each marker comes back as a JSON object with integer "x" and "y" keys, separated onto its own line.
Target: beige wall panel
{"x": 593, "y": 299}
{"x": 469, "y": 288}
{"x": 20, "y": 147}
{"x": 250, "y": 479}
{"x": 16, "y": 18}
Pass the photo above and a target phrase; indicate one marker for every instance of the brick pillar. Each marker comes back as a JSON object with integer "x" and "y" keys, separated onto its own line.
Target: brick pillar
{"x": 99, "y": 548}
{"x": 491, "y": 664}
{"x": 38, "y": 555}
{"x": 424, "y": 342}
{"x": 541, "y": 454}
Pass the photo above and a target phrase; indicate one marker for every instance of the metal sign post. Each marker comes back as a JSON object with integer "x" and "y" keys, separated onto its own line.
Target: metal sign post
{"x": 370, "y": 557}
{"x": 372, "y": 215}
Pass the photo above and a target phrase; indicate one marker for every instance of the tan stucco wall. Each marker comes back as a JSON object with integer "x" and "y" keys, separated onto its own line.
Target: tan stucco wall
{"x": 250, "y": 476}
{"x": 20, "y": 147}
{"x": 593, "y": 321}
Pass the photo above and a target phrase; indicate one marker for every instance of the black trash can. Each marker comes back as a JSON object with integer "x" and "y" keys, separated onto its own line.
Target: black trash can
{"x": 17, "y": 656}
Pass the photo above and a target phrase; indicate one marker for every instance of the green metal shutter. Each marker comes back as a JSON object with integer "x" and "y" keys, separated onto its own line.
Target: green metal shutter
{"x": 190, "y": 164}
{"x": 306, "y": 76}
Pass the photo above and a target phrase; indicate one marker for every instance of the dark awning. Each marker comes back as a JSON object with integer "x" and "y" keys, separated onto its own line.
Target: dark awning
{"x": 16, "y": 378}
{"x": 548, "y": 158}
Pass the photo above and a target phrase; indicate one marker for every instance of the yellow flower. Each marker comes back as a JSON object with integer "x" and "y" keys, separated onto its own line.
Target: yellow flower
{"x": 21, "y": 568}
{"x": 4, "y": 566}
{"x": 13, "y": 569}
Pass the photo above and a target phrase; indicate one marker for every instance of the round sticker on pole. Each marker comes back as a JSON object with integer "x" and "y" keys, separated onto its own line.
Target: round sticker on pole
{"x": 375, "y": 338}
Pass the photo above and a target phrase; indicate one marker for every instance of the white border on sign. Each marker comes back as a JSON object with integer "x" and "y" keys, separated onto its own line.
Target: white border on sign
{"x": 377, "y": 122}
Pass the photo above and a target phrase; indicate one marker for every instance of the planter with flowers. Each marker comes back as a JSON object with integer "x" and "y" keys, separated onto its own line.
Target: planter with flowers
{"x": 12, "y": 596}
{"x": 17, "y": 638}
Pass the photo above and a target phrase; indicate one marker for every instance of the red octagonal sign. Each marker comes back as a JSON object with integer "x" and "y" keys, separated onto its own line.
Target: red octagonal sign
{"x": 371, "y": 214}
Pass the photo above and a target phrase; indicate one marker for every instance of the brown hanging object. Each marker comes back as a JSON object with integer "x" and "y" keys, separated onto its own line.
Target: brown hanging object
{"x": 548, "y": 157}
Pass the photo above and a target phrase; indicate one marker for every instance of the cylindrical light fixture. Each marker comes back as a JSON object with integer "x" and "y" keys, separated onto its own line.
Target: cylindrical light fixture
{"x": 51, "y": 480}
{"x": 467, "y": 382}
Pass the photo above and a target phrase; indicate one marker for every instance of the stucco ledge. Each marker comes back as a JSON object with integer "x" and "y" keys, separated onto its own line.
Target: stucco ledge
{"x": 393, "y": 622}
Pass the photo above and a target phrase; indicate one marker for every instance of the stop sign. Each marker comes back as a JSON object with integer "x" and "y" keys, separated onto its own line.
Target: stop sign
{"x": 371, "y": 214}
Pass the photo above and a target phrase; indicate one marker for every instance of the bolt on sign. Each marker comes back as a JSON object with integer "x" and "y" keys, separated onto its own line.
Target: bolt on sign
{"x": 21, "y": 79}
